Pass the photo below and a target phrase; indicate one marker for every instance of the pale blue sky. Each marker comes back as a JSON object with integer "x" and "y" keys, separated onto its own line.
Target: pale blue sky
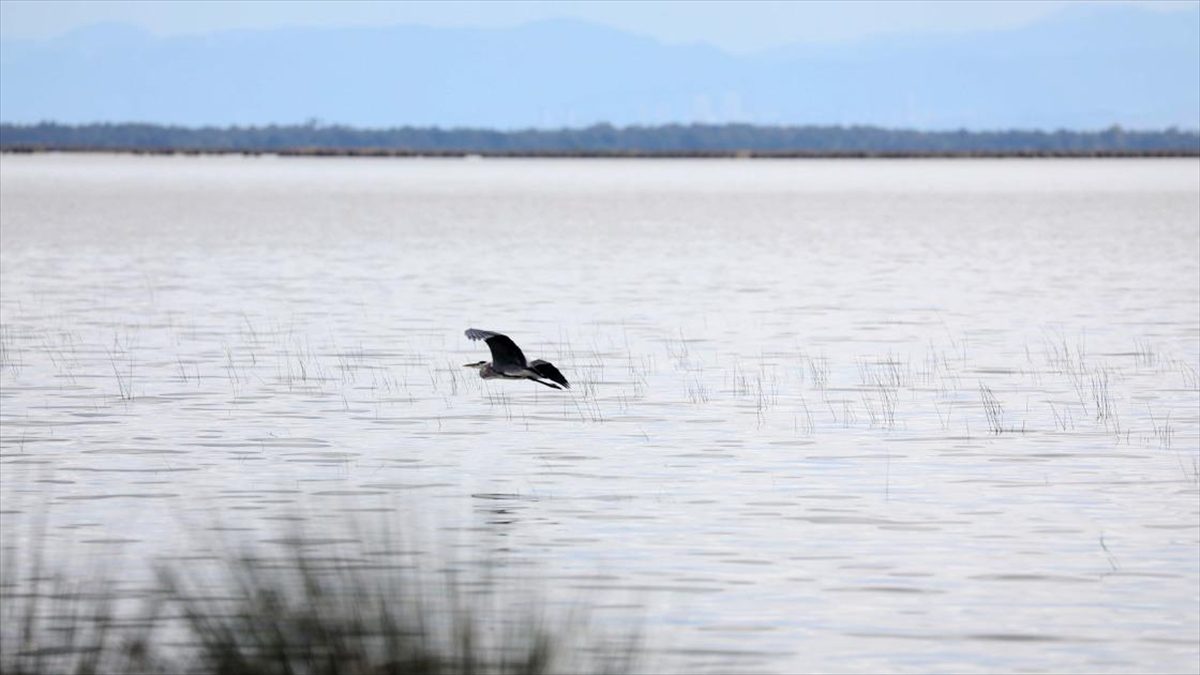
{"x": 738, "y": 27}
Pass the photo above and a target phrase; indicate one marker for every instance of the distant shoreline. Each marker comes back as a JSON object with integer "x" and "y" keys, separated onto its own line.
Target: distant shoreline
{"x": 616, "y": 154}
{"x": 691, "y": 141}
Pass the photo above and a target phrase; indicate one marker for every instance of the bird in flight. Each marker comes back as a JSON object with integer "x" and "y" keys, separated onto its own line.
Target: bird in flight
{"x": 509, "y": 363}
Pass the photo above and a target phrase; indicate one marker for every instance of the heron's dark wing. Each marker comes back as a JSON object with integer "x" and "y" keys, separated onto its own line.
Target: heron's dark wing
{"x": 504, "y": 351}
{"x": 548, "y": 371}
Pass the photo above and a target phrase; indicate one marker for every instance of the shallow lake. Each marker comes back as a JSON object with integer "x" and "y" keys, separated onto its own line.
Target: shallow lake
{"x": 834, "y": 415}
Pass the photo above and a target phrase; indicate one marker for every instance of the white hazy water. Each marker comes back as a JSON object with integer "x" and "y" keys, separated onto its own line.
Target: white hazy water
{"x": 851, "y": 416}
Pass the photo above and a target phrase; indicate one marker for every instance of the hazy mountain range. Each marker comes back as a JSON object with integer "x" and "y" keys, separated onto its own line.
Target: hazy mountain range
{"x": 1084, "y": 68}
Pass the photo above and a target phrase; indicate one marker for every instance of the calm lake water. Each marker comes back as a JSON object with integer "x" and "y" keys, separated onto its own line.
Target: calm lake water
{"x": 848, "y": 416}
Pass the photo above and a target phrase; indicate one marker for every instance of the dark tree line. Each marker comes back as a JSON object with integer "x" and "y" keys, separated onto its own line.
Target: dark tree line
{"x": 597, "y": 139}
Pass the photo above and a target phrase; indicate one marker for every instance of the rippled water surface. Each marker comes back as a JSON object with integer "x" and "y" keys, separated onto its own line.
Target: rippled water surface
{"x": 826, "y": 415}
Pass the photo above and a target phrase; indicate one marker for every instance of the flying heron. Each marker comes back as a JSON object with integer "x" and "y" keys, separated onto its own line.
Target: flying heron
{"x": 509, "y": 363}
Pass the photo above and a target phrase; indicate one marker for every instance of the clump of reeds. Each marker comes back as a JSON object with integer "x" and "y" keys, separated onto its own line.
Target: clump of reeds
{"x": 295, "y": 615}
{"x": 992, "y": 408}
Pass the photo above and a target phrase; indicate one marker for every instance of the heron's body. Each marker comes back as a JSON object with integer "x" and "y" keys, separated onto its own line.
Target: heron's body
{"x": 488, "y": 371}
{"x": 508, "y": 362}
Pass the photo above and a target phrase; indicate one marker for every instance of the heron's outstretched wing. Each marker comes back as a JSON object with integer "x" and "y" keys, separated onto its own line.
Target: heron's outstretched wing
{"x": 505, "y": 352}
{"x": 548, "y": 371}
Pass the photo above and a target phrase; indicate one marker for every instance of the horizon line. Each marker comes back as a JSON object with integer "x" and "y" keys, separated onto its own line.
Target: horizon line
{"x": 319, "y": 124}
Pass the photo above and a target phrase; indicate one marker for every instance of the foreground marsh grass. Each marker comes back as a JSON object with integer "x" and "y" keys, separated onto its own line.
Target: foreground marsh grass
{"x": 295, "y": 614}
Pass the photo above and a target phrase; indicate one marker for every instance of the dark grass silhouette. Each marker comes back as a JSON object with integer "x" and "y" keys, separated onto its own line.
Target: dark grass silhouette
{"x": 293, "y": 615}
